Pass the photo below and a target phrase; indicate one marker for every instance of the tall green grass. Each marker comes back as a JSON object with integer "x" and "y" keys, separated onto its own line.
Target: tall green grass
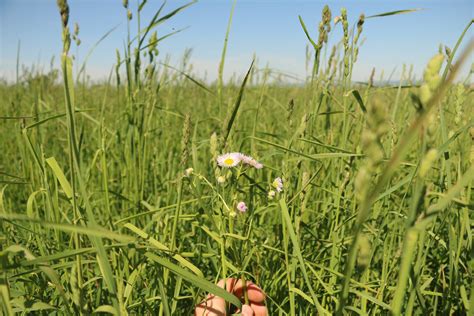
{"x": 99, "y": 215}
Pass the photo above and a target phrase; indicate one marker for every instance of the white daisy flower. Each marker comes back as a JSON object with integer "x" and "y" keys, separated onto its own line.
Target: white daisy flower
{"x": 242, "y": 207}
{"x": 229, "y": 160}
{"x": 252, "y": 162}
{"x": 278, "y": 184}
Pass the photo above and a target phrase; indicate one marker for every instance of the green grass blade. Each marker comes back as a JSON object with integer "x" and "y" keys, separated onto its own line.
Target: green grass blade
{"x": 89, "y": 231}
{"x": 296, "y": 245}
{"x": 91, "y": 50}
{"x": 314, "y": 157}
{"x": 195, "y": 81}
{"x": 315, "y": 46}
{"x": 237, "y": 103}
{"x": 53, "y": 164}
{"x": 158, "y": 245}
{"x": 359, "y": 100}
{"x": 220, "y": 71}
{"x": 195, "y": 280}
{"x": 392, "y": 13}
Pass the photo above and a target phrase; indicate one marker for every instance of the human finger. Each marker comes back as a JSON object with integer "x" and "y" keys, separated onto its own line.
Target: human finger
{"x": 211, "y": 306}
{"x": 215, "y": 305}
{"x": 259, "y": 309}
{"x": 247, "y": 311}
{"x": 254, "y": 293}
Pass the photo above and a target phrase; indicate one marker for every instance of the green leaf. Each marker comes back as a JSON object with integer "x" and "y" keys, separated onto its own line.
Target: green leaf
{"x": 158, "y": 245}
{"x": 297, "y": 250}
{"x": 302, "y": 294}
{"x": 48, "y": 271}
{"x": 443, "y": 202}
{"x": 106, "y": 309}
{"x": 65, "y": 185}
{"x": 91, "y": 50}
{"x": 2, "y": 202}
{"x": 195, "y": 81}
{"x": 237, "y": 104}
{"x": 67, "y": 66}
{"x": 314, "y": 157}
{"x": 359, "y": 100}
{"x": 27, "y": 306}
{"x": 392, "y": 13}
{"x": 95, "y": 231}
{"x": 315, "y": 46}
{"x": 66, "y": 254}
{"x": 155, "y": 21}
{"x": 195, "y": 280}
{"x": 5, "y": 297}
{"x": 371, "y": 298}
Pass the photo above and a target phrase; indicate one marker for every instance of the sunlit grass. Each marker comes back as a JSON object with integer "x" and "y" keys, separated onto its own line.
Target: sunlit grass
{"x": 115, "y": 198}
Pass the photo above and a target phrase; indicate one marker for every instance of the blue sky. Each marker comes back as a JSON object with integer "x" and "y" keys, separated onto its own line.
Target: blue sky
{"x": 270, "y": 29}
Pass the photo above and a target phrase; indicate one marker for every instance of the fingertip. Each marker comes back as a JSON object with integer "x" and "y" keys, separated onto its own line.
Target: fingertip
{"x": 259, "y": 309}
{"x": 211, "y": 306}
{"x": 229, "y": 284}
{"x": 255, "y": 293}
{"x": 247, "y": 311}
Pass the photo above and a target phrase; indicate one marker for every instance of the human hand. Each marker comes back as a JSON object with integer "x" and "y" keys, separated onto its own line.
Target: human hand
{"x": 216, "y": 306}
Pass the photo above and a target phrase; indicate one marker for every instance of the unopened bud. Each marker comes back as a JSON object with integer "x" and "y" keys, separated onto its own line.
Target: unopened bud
{"x": 188, "y": 172}
{"x": 271, "y": 194}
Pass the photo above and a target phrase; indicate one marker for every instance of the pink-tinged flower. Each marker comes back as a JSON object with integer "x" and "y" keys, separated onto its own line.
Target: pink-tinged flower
{"x": 229, "y": 160}
{"x": 278, "y": 184}
{"x": 250, "y": 161}
{"x": 241, "y": 206}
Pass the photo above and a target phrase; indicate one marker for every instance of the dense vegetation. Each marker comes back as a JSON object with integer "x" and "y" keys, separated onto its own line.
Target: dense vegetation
{"x": 100, "y": 211}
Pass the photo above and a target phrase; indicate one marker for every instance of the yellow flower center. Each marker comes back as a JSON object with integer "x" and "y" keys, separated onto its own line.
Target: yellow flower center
{"x": 229, "y": 161}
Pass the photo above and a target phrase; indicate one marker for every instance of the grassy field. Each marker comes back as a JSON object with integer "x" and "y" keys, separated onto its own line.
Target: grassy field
{"x": 100, "y": 211}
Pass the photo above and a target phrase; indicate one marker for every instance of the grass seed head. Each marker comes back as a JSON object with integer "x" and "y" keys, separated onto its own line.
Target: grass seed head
{"x": 213, "y": 145}
{"x": 460, "y": 98}
{"x": 431, "y": 78}
{"x": 185, "y": 140}
{"x": 427, "y": 162}
{"x": 371, "y": 78}
{"x": 361, "y": 182}
{"x": 345, "y": 40}
{"x": 365, "y": 249}
{"x": 64, "y": 11}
